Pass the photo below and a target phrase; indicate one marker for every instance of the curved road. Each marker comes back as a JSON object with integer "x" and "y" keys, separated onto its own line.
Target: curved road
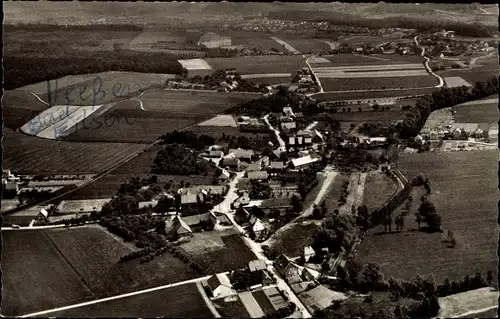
{"x": 426, "y": 64}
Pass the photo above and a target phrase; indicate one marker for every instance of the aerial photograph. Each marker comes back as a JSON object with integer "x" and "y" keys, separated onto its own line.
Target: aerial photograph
{"x": 250, "y": 160}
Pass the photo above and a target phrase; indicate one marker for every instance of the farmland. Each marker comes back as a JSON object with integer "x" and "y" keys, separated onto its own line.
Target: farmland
{"x": 345, "y": 59}
{"x": 231, "y": 309}
{"x": 92, "y": 270}
{"x": 234, "y": 255}
{"x": 354, "y": 95}
{"x": 28, "y": 154}
{"x": 477, "y": 111}
{"x": 378, "y": 189}
{"x": 164, "y": 111}
{"x": 253, "y": 40}
{"x": 383, "y": 117}
{"x": 183, "y": 301}
{"x": 307, "y": 45}
{"x": 269, "y": 79}
{"x": 258, "y": 64}
{"x": 19, "y": 107}
{"x": 403, "y": 82}
{"x": 463, "y": 188}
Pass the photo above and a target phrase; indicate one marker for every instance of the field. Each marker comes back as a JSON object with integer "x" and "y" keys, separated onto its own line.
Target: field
{"x": 493, "y": 313}
{"x": 234, "y": 255}
{"x": 231, "y": 309}
{"x": 140, "y": 166}
{"x": 477, "y": 111}
{"x": 87, "y": 260}
{"x": 366, "y": 39}
{"x": 19, "y": 107}
{"x": 163, "y": 111}
{"x": 455, "y": 81}
{"x": 183, "y": 301}
{"x": 333, "y": 196}
{"x": 463, "y": 190}
{"x": 28, "y": 154}
{"x": 292, "y": 241}
{"x": 461, "y": 303}
{"x": 346, "y": 59}
{"x": 378, "y": 189}
{"x": 258, "y": 64}
{"x": 308, "y": 45}
{"x": 347, "y": 84}
{"x": 383, "y": 117}
{"x": 269, "y": 78}
{"x": 50, "y": 281}
{"x": 331, "y": 96}
{"x": 253, "y": 40}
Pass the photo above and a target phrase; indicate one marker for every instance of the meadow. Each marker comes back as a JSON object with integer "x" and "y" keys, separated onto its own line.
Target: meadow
{"x": 347, "y": 84}
{"x": 477, "y": 111}
{"x": 354, "y": 116}
{"x": 463, "y": 187}
{"x": 253, "y": 40}
{"x": 34, "y": 155}
{"x": 345, "y": 59}
{"x": 307, "y": 45}
{"x": 259, "y": 64}
{"x": 292, "y": 241}
{"x": 335, "y": 96}
{"x": 378, "y": 189}
{"x": 83, "y": 263}
{"x": 162, "y": 111}
{"x": 183, "y": 301}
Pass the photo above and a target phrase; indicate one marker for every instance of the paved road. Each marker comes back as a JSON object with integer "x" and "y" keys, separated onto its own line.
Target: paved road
{"x": 317, "y": 78}
{"x": 282, "y": 147}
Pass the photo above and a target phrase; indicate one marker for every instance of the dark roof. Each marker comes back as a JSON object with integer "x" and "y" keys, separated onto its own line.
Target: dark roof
{"x": 276, "y": 203}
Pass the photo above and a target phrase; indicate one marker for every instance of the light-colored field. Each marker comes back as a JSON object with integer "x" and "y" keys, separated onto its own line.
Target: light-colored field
{"x": 220, "y": 120}
{"x": 454, "y": 81}
{"x": 360, "y": 59}
{"x": 74, "y": 206}
{"x": 438, "y": 120}
{"x": 378, "y": 83}
{"x": 339, "y": 74}
{"x": 195, "y": 64}
{"x": 465, "y": 302}
{"x": 307, "y": 45}
{"x": 203, "y": 242}
{"x": 286, "y": 45}
{"x": 318, "y": 60}
{"x": 378, "y": 189}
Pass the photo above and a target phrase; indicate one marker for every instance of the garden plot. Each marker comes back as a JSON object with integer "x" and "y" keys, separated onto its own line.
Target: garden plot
{"x": 220, "y": 120}
{"x": 454, "y": 81}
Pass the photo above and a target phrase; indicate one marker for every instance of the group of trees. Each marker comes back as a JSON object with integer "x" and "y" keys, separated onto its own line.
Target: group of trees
{"x": 414, "y": 119}
{"x": 136, "y": 228}
{"x": 427, "y": 213}
{"x": 373, "y": 129}
{"x": 465, "y": 284}
{"x": 188, "y": 139}
{"x": 336, "y": 233}
{"x": 319, "y": 212}
{"x": 177, "y": 160}
{"x": 243, "y": 279}
{"x": 348, "y": 157}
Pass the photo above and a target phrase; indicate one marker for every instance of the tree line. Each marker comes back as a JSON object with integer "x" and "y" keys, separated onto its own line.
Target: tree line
{"x": 414, "y": 119}
{"x": 175, "y": 159}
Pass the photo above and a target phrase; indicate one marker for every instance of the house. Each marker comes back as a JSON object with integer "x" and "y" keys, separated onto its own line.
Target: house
{"x": 242, "y": 154}
{"x": 43, "y": 214}
{"x": 303, "y": 162}
{"x": 256, "y": 265}
{"x": 224, "y": 175}
{"x": 478, "y": 133}
{"x": 282, "y": 206}
{"x": 284, "y": 191}
{"x": 216, "y": 153}
{"x": 275, "y": 297}
{"x": 210, "y": 189}
{"x": 149, "y": 203}
{"x": 242, "y": 215}
{"x": 319, "y": 298}
{"x": 220, "y": 286}
{"x": 309, "y": 274}
{"x": 254, "y": 167}
{"x": 176, "y": 227}
{"x": 229, "y": 162}
{"x": 257, "y": 175}
{"x": 309, "y": 253}
{"x": 288, "y": 126}
{"x": 244, "y": 184}
{"x": 191, "y": 199}
{"x": 457, "y": 133}
{"x": 288, "y": 111}
{"x": 195, "y": 220}
{"x": 303, "y": 153}
{"x": 302, "y": 286}
{"x": 257, "y": 226}
{"x": 275, "y": 167}
{"x": 292, "y": 273}
{"x": 242, "y": 200}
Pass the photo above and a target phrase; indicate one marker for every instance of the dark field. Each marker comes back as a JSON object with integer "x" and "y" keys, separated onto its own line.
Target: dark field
{"x": 292, "y": 241}
{"x": 378, "y": 83}
{"x": 378, "y": 59}
{"x": 463, "y": 187}
{"x": 272, "y": 80}
{"x": 83, "y": 264}
{"x": 234, "y": 255}
{"x": 307, "y": 45}
{"x": 477, "y": 113}
{"x": 384, "y": 117}
{"x": 258, "y": 64}
{"x": 164, "y": 111}
{"x": 370, "y": 94}
{"x": 232, "y": 309}
{"x": 183, "y": 301}
{"x": 29, "y": 154}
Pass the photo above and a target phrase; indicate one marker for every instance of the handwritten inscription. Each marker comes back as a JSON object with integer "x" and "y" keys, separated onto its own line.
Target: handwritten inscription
{"x": 75, "y": 117}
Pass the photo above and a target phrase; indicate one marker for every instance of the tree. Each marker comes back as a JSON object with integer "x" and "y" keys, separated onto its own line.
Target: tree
{"x": 427, "y": 186}
{"x": 370, "y": 277}
{"x": 445, "y": 288}
{"x": 316, "y": 212}
{"x": 323, "y": 209}
{"x": 375, "y": 107}
{"x": 296, "y": 204}
{"x": 399, "y": 221}
{"x": 418, "y": 219}
{"x": 489, "y": 277}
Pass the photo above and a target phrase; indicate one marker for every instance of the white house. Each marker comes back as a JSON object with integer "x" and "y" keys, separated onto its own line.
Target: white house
{"x": 303, "y": 161}
{"x": 308, "y": 253}
{"x": 220, "y": 286}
